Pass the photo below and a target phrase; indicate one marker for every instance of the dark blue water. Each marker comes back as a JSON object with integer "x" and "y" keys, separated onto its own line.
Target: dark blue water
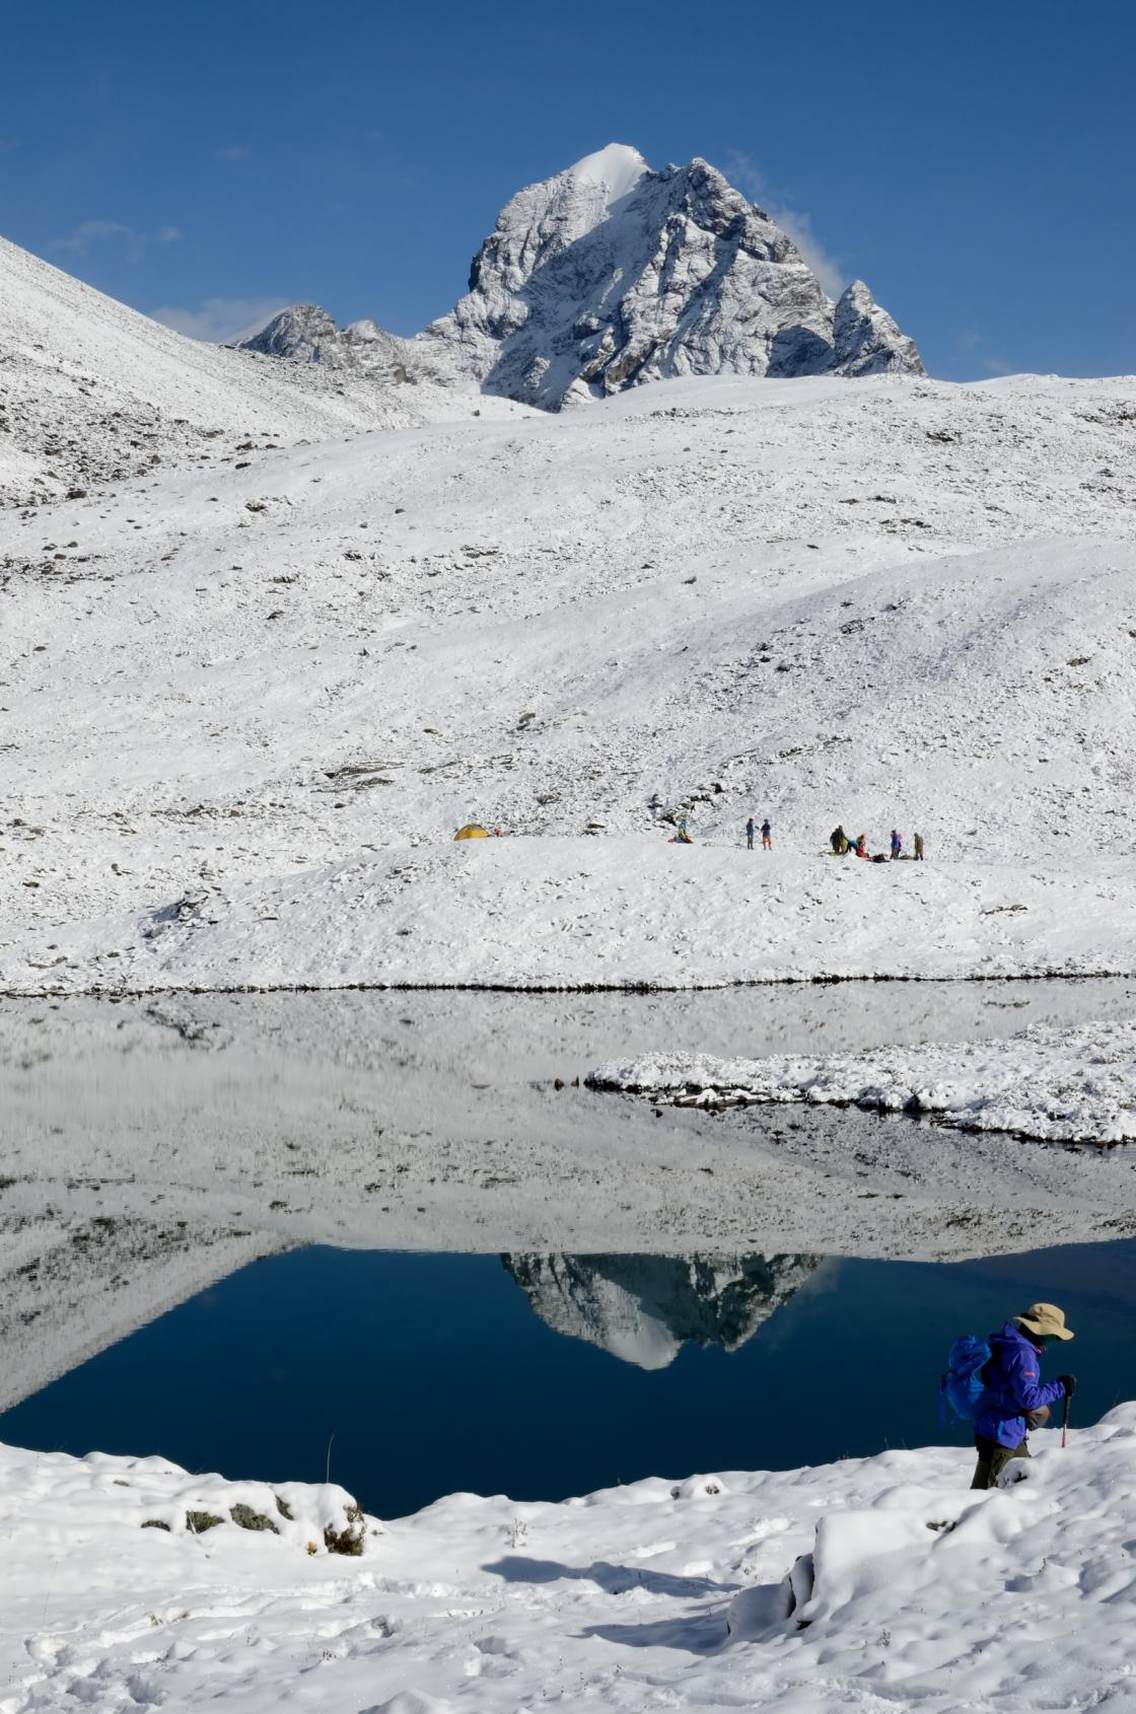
{"x": 433, "y": 1373}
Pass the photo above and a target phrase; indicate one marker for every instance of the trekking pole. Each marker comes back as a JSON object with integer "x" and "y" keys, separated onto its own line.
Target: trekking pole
{"x": 1065, "y": 1423}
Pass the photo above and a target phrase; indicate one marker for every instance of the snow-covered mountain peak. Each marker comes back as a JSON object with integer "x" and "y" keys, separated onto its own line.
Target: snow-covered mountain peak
{"x": 617, "y": 168}
{"x": 306, "y": 333}
{"x": 866, "y": 340}
{"x": 610, "y": 274}
{"x": 302, "y": 332}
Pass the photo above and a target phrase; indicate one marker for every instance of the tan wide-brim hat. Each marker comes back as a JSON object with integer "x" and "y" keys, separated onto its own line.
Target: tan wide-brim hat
{"x": 1046, "y": 1320}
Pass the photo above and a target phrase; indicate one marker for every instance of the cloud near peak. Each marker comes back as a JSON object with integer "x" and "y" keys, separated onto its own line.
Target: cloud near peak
{"x": 82, "y": 238}
{"x": 744, "y": 171}
{"x": 219, "y": 321}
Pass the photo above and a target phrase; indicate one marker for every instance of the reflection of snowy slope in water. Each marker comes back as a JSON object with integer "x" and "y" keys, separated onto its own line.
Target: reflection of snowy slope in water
{"x": 72, "y": 1285}
{"x": 643, "y": 1309}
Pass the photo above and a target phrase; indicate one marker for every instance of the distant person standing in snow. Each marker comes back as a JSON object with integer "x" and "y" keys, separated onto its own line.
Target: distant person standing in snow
{"x": 896, "y": 844}
{"x": 840, "y": 842}
{"x": 766, "y": 836}
{"x": 1015, "y": 1398}
{"x": 749, "y": 834}
{"x": 919, "y": 848}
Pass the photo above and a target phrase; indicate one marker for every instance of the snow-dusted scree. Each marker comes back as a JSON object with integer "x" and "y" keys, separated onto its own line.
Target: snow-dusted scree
{"x": 881, "y": 1583}
{"x": 1059, "y": 1085}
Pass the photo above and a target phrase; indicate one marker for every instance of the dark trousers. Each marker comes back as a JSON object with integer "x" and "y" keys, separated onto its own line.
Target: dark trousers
{"x": 749, "y": 841}
{"x": 993, "y": 1458}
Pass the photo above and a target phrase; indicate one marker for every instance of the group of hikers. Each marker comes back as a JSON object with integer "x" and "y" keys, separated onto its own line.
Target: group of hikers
{"x": 838, "y": 839}
{"x": 842, "y": 845}
{"x": 997, "y": 1385}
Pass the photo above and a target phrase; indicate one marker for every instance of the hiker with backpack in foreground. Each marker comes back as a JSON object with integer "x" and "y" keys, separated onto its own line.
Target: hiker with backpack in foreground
{"x": 997, "y": 1385}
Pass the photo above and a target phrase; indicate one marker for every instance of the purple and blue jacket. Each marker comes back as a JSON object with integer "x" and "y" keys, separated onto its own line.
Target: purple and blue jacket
{"x": 1013, "y": 1386}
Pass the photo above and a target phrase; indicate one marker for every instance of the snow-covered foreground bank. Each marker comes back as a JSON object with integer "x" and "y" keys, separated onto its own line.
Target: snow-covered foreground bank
{"x": 564, "y": 913}
{"x": 1058, "y": 1085}
{"x": 662, "y": 1594}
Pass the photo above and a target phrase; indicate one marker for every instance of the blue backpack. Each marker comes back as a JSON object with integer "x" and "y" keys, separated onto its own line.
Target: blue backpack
{"x": 962, "y": 1386}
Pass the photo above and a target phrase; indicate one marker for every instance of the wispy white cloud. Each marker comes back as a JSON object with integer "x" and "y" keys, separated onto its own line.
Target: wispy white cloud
{"x": 89, "y": 233}
{"x": 219, "y": 321}
{"x": 744, "y": 172}
{"x": 972, "y": 345}
{"x": 235, "y": 152}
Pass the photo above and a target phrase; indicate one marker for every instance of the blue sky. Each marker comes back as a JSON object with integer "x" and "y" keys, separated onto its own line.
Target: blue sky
{"x": 975, "y": 163}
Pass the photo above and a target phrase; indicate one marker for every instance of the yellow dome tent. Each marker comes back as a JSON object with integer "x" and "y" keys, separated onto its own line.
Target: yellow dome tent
{"x": 471, "y": 830}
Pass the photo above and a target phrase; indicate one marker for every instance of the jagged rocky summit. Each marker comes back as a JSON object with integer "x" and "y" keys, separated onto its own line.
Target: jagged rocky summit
{"x": 305, "y": 333}
{"x": 643, "y": 1309}
{"x": 609, "y": 275}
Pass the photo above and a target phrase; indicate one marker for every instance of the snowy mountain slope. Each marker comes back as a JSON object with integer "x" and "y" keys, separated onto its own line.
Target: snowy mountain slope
{"x": 824, "y": 602}
{"x": 551, "y": 913}
{"x": 73, "y": 1284}
{"x": 914, "y": 1592}
{"x": 643, "y": 1309}
{"x": 92, "y": 392}
{"x": 609, "y": 275}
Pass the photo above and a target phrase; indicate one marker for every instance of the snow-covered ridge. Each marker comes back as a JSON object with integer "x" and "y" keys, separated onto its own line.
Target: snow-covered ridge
{"x": 1058, "y": 1085}
{"x": 878, "y": 1583}
{"x": 608, "y": 275}
{"x": 92, "y": 392}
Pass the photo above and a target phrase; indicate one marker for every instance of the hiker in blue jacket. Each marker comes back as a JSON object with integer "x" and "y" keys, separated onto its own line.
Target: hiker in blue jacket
{"x": 1015, "y": 1398}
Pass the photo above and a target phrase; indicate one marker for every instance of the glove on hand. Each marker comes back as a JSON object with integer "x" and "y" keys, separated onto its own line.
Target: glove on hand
{"x": 1069, "y": 1382}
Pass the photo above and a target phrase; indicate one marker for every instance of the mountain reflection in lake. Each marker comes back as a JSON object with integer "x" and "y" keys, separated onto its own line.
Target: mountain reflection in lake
{"x": 643, "y": 1309}
{"x": 433, "y": 1373}
{"x": 206, "y": 1203}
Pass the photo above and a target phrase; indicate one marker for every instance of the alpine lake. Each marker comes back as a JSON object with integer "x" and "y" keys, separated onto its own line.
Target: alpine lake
{"x": 388, "y": 1237}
